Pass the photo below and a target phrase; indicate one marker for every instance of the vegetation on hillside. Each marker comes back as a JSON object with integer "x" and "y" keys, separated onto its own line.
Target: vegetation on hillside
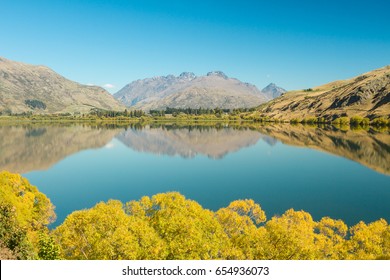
{"x": 35, "y": 104}
{"x": 169, "y": 226}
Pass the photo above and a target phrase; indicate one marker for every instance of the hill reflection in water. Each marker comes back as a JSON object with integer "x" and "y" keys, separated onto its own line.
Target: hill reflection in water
{"x": 369, "y": 148}
{"x": 25, "y": 148}
{"x": 187, "y": 142}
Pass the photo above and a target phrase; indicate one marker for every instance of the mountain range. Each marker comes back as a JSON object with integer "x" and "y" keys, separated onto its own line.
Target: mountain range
{"x": 40, "y": 90}
{"x": 187, "y": 90}
{"x": 25, "y": 88}
{"x": 367, "y": 95}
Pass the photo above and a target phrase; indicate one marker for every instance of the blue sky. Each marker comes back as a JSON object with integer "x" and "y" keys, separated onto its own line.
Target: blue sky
{"x": 296, "y": 44}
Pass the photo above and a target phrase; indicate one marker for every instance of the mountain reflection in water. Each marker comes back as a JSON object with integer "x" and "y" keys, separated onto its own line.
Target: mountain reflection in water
{"x": 25, "y": 148}
{"x": 188, "y": 142}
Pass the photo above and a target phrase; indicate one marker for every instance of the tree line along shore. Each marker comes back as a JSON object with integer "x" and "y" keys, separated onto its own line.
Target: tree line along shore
{"x": 197, "y": 115}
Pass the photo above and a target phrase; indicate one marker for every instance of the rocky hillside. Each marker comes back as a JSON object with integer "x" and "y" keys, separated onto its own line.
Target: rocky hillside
{"x": 39, "y": 89}
{"x": 367, "y": 95}
{"x": 189, "y": 91}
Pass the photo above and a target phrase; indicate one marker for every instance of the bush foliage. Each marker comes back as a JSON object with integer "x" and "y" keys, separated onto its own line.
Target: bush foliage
{"x": 168, "y": 226}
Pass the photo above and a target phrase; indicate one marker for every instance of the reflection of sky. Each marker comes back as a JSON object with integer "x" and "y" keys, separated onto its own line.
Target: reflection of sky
{"x": 278, "y": 177}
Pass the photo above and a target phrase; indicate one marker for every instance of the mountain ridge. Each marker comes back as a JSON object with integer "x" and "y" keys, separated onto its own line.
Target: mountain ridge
{"x": 215, "y": 89}
{"x": 273, "y": 91}
{"x": 39, "y": 89}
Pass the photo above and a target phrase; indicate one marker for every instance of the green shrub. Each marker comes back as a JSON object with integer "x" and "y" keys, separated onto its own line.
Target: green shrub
{"x": 321, "y": 120}
{"x": 295, "y": 121}
{"x": 341, "y": 120}
{"x": 35, "y": 104}
{"x": 380, "y": 121}
{"x": 309, "y": 120}
{"x": 357, "y": 120}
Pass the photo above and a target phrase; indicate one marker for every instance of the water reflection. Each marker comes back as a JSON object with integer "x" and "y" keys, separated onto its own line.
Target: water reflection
{"x": 189, "y": 141}
{"x": 370, "y": 148}
{"x": 25, "y": 148}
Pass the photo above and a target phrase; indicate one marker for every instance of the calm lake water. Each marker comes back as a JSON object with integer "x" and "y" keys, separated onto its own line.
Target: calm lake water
{"x": 323, "y": 171}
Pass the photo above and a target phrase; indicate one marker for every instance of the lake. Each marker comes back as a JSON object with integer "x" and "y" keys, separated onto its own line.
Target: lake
{"x": 324, "y": 171}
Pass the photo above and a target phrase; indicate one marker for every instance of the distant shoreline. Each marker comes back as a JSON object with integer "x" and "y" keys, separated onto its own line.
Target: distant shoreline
{"x": 344, "y": 123}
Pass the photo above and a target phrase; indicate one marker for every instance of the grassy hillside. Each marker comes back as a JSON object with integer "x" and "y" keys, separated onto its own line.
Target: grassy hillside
{"x": 38, "y": 89}
{"x": 367, "y": 95}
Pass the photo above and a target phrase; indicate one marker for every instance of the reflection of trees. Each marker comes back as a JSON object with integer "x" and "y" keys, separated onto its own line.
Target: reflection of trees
{"x": 369, "y": 148}
{"x": 35, "y": 147}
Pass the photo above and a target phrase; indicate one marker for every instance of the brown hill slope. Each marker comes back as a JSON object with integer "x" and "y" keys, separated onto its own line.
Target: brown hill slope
{"x": 39, "y": 89}
{"x": 367, "y": 95}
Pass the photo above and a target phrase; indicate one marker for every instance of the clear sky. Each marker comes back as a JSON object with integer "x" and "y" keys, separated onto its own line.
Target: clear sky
{"x": 296, "y": 44}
